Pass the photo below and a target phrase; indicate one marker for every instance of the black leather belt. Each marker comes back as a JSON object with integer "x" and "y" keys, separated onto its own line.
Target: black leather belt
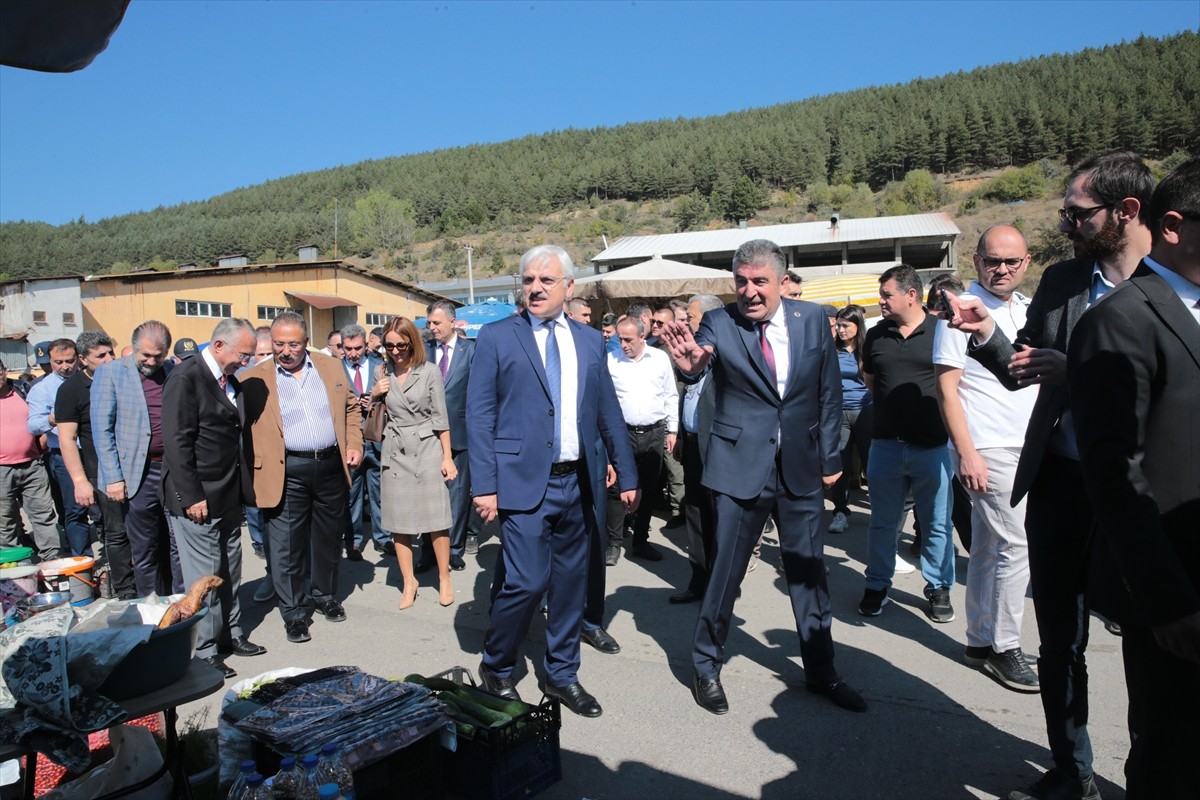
{"x": 646, "y": 428}
{"x": 565, "y": 467}
{"x": 20, "y": 464}
{"x": 315, "y": 455}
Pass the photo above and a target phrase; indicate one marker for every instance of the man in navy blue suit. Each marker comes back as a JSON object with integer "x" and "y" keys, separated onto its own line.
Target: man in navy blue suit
{"x": 542, "y": 422}
{"x": 772, "y": 449}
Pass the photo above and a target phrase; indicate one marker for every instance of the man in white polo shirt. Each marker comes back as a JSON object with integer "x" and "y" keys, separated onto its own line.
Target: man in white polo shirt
{"x": 986, "y": 423}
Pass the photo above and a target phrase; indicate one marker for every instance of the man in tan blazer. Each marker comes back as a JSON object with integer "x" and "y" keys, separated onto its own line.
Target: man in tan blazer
{"x": 305, "y": 435}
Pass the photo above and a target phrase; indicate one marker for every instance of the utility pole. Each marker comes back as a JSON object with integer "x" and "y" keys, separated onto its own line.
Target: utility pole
{"x": 335, "y": 228}
{"x": 470, "y": 277}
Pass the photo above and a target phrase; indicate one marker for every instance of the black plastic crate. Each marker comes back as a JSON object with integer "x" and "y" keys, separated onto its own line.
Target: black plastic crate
{"x": 514, "y": 761}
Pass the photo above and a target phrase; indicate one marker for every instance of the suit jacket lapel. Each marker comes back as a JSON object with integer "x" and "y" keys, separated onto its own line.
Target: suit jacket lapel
{"x": 524, "y": 331}
{"x": 1078, "y": 303}
{"x": 1166, "y": 304}
{"x": 793, "y": 318}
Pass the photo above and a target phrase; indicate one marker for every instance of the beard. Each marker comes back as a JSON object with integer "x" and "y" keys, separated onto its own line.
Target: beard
{"x": 1107, "y": 241}
{"x": 148, "y": 370}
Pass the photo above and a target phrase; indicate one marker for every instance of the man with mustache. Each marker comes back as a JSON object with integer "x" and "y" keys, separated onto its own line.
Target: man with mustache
{"x": 1104, "y": 214}
{"x": 127, "y": 429}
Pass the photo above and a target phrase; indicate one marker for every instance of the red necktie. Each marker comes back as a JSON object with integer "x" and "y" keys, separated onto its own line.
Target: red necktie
{"x": 768, "y": 352}
{"x": 358, "y": 379}
{"x": 223, "y": 382}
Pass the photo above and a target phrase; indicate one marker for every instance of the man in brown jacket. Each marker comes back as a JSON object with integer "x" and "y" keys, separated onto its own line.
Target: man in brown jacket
{"x": 304, "y": 437}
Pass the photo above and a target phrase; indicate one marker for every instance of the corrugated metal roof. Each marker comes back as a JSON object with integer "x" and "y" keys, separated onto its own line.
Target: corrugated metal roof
{"x": 797, "y": 234}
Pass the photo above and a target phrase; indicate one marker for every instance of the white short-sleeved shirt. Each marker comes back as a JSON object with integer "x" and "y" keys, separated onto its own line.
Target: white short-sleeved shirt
{"x": 996, "y": 417}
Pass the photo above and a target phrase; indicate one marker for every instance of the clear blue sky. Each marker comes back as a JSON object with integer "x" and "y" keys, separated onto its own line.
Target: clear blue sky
{"x": 193, "y": 99}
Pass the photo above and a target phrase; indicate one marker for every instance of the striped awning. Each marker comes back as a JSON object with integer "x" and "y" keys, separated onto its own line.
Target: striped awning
{"x": 842, "y": 290}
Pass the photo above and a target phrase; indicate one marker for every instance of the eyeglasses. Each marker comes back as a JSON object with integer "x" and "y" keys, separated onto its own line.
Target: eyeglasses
{"x": 396, "y": 346}
{"x": 245, "y": 357}
{"x": 1075, "y": 215}
{"x": 549, "y": 283}
{"x": 993, "y": 264}
{"x": 657, "y": 323}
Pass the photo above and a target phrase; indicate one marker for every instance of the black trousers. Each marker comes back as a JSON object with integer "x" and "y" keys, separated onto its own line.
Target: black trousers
{"x": 304, "y": 534}
{"x": 648, "y": 456}
{"x": 739, "y": 523}
{"x": 112, "y": 533}
{"x": 698, "y": 514}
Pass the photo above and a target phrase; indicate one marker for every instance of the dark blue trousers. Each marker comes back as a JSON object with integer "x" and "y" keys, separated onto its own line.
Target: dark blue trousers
{"x": 75, "y": 520}
{"x": 543, "y": 551}
{"x": 738, "y": 525}
{"x": 364, "y": 485}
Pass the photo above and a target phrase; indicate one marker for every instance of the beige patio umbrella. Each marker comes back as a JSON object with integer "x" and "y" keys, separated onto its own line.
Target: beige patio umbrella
{"x": 657, "y": 278}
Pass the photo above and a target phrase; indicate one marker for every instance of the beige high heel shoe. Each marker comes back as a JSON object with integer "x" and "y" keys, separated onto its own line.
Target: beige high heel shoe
{"x": 442, "y": 601}
{"x": 405, "y": 606}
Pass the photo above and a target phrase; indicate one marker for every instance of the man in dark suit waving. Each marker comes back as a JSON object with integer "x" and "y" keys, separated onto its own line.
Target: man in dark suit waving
{"x": 206, "y": 482}
{"x": 773, "y": 447}
{"x": 542, "y": 423}
{"x": 1133, "y": 370}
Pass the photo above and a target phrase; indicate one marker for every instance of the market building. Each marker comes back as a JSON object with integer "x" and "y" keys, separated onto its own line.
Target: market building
{"x": 190, "y": 300}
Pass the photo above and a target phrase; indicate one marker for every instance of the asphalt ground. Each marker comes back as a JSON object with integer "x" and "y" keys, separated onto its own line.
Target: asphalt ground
{"x": 936, "y": 728}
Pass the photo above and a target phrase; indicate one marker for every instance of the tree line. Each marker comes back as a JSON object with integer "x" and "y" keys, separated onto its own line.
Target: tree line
{"x": 1141, "y": 95}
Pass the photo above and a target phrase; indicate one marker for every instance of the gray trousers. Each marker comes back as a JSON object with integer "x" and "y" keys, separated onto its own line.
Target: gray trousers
{"x": 213, "y": 548}
{"x": 27, "y": 485}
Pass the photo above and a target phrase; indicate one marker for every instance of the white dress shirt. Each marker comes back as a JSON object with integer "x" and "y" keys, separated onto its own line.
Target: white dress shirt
{"x": 216, "y": 371}
{"x": 645, "y": 388}
{"x": 777, "y": 335}
{"x": 448, "y": 354}
{"x": 568, "y": 381}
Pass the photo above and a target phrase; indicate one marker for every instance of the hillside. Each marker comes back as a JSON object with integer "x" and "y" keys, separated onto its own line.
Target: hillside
{"x": 892, "y": 149}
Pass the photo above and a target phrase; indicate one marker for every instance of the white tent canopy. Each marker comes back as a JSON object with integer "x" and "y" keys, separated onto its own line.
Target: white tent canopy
{"x": 658, "y": 277}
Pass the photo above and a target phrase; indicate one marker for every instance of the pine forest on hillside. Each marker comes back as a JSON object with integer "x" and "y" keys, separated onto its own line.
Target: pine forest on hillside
{"x": 881, "y": 150}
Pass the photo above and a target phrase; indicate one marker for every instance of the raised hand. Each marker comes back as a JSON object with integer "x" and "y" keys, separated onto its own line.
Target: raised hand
{"x": 685, "y": 351}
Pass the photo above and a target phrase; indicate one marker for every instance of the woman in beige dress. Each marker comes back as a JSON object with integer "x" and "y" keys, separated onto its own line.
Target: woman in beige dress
{"x": 416, "y": 461}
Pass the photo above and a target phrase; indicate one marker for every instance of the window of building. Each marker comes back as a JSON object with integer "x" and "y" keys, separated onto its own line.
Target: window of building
{"x": 375, "y": 320}
{"x": 68, "y": 318}
{"x": 39, "y": 317}
{"x": 203, "y": 308}
{"x": 271, "y": 312}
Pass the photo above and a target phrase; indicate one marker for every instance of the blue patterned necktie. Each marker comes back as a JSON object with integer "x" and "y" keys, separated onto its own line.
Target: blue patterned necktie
{"x": 554, "y": 380}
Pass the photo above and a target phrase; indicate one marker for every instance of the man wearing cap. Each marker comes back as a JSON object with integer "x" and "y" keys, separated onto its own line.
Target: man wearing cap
{"x": 24, "y": 482}
{"x": 41, "y": 354}
{"x": 184, "y": 348}
{"x": 127, "y": 398}
{"x": 42, "y": 423}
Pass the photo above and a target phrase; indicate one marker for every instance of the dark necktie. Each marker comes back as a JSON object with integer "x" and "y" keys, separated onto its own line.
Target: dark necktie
{"x": 358, "y": 379}
{"x": 768, "y": 352}
{"x": 445, "y": 363}
{"x": 554, "y": 380}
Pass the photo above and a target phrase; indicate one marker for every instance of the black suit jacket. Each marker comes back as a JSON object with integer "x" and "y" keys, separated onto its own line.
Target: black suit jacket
{"x": 1134, "y": 376}
{"x": 202, "y": 443}
{"x": 1058, "y": 304}
{"x": 456, "y": 389}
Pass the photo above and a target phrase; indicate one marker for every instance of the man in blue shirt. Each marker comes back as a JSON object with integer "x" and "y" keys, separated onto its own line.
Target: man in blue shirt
{"x": 43, "y": 424}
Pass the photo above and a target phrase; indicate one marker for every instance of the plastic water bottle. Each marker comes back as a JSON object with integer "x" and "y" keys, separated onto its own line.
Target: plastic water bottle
{"x": 330, "y": 791}
{"x": 256, "y": 789}
{"x": 286, "y": 783}
{"x": 309, "y": 783}
{"x": 245, "y": 770}
{"x": 332, "y": 769}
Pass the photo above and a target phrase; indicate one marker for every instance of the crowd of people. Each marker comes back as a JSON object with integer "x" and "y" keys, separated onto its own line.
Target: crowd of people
{"x": 1062, "y": 445}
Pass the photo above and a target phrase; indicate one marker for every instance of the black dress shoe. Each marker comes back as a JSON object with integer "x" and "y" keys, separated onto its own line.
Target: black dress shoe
{"x": 841, "y": 694}
{"x": 457, "y": 564}
{"x": 646, "y": 552}
{"x": 353, "y": 554}
{"x": 242, "y": 646}
{"x": 611, "y": 556}
{"x": 576, "y": 698}
{"x": 258, "y": 550}
{"x": 332, "y": 610}
{"x": 674, "y": 522}
{"x": 686, "y": 596}
{"x": 501, "y": 687}
{"x": 423, "y": 565}
{"x": 600, "y": 639}
{"x": 297, "y": 631}
{"x": 709, "y": 694}
{"x": 219, "y": 663}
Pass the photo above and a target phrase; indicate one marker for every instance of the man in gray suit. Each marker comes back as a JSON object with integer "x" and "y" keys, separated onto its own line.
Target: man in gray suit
{"x": 452, "y": 355}
{"x": 127, "y": 428}
{"x": 772, "y": 449}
